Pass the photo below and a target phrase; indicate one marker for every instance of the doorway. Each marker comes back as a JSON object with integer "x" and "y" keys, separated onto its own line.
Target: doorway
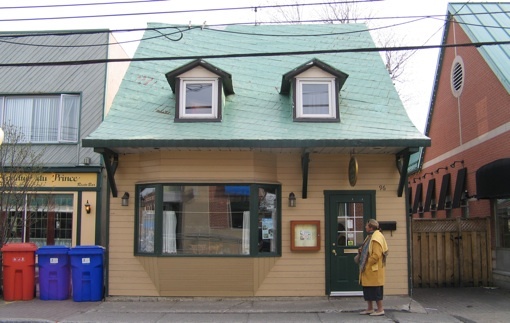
{"x": 346, "y": 213}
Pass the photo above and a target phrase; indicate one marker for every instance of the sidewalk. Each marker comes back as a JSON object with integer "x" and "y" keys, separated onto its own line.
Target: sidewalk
{"x": 427, "y": 305}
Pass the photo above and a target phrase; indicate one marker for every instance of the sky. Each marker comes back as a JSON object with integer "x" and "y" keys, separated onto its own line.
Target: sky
{"x": 409, "y": 22}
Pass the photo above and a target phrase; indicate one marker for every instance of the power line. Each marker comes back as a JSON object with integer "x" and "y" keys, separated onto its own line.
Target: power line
{"x": 189, "y": 11}
{"x": 266, "y": 54}
{"x": 81, "y": 4}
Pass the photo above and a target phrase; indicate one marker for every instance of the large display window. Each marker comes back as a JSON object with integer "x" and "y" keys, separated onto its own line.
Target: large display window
{"x": 208, "y": 220}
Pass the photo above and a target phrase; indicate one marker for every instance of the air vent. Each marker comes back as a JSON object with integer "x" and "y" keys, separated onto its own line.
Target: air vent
{"x": 457, "y": 76}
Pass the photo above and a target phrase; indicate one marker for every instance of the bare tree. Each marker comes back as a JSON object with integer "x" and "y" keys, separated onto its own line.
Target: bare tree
{"x": 19, "y": 173}
{"x": 350, "y": 12}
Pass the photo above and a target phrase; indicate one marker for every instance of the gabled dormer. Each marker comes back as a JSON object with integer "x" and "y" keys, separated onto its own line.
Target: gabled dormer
{"x": 314, "y": 87}
{"x": 199, "y": 89}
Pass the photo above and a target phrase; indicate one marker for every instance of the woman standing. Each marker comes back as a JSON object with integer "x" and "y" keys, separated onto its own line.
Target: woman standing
{"x": 372, "y": 263}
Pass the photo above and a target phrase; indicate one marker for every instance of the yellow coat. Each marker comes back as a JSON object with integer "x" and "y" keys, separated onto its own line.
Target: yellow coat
{"x": 374, "y": 272}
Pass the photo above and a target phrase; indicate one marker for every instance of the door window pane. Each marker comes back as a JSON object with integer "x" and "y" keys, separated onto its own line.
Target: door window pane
{"x": 350, "y": 227}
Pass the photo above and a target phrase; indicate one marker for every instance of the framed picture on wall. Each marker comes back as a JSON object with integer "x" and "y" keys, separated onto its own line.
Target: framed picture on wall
{"x": 305, "y": 236}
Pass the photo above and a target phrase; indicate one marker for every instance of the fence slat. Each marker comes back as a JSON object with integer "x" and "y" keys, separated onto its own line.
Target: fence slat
{"x": 451, "y": 252}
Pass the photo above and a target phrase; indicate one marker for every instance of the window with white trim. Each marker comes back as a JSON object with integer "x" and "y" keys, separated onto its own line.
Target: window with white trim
{"x": 42, "y": 119}
{"x": 315, "y": 98}
{"x": 198, "y": 98}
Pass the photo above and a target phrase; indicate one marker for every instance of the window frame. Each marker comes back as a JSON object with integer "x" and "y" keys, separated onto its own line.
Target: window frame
{"x": 215, "y": 114}
{"x": 254, "y": 221}
{"x": 299, "y": 114}
{"x": 28, "y": 124}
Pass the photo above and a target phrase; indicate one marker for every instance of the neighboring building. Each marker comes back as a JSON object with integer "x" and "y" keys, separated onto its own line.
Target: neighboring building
{"x": 53, "y": 106}
{"x": 466, "y": 171}
{"x": 239, "y": 173}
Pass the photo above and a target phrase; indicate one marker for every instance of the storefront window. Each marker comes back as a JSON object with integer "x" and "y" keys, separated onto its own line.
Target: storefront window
{"x": 208, "y": 219}
{"x": 503, "y": 220}
{"x": 47, "y": 219}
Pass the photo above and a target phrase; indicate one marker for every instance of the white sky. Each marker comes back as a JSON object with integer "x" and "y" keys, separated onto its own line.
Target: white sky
{"x": 420, "y": 70}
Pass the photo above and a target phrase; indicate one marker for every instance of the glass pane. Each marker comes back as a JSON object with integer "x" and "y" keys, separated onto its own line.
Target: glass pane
{"x": 48, "y": 218}
{"x": 70, "y": 111}
{"x": 146, "y": 219}
{"x": 350, "y": 224}
{"x": 315, "y": 98}
{"x": 45, "y": 118}
{"x": 267, "y": 220}
{"x": 199, "y": 98}
{"x": 206, "y": 220}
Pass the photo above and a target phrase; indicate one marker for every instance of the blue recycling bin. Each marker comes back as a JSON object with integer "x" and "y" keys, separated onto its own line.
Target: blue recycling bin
{"x": 87, "y": 273}
{"x": 54, "y": 272}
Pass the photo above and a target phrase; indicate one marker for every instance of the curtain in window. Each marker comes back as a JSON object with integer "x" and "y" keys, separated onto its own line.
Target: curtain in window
{"x": 70, "y": 110}
{"x": 169, "y": 232}
{"x": 246, "y": 233}
{"x": 315, "y": 99}
{"x": 18, "y": 113}
{"x": 45, "y": 119}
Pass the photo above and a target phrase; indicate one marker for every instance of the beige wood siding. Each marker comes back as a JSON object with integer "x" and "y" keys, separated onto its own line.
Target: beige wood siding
{"x": 292, "y": 274}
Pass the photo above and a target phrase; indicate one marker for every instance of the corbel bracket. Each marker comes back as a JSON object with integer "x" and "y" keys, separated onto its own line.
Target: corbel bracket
{"x": 402, "y": 160}
{"x": 111, "y": 161}
{"x": 305, "y": 160}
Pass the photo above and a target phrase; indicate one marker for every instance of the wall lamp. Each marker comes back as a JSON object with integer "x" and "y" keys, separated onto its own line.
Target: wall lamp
{"x": 425, "y": 175}
{"x": 292, "y": 199}
{"x": 125, "y": 199}
{"x": 452, "y": 165}
{"x": 87, "y": 207}
{"x": 445, "y": 168}
{"x": 415, "y": 179}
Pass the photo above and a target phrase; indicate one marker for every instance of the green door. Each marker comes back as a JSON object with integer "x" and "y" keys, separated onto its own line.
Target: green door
{"x": 346, "y": 215}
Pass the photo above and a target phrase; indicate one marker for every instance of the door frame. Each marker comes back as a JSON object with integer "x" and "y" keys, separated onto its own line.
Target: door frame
{"x": 370, "y": 195}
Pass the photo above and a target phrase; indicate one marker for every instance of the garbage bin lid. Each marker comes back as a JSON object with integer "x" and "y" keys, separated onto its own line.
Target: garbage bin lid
{"x": 22, "y": 246}
{"x": 86, "y": 250}
{"x": 52, "y": 250}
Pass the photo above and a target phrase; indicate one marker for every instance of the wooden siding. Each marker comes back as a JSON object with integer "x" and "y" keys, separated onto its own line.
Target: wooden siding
{"x": 292, "y": 274}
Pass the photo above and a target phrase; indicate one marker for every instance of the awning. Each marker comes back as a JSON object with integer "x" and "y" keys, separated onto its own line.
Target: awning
{"x": 493, "y": 180}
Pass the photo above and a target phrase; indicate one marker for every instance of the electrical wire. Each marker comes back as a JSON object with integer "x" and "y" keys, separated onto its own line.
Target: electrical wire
{"x": 245, "y": 55}
{"x": 188, "y": 11}
{"x": 82, "y": 4}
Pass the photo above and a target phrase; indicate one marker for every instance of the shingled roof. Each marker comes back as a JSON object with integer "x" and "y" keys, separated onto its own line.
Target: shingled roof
{"x": 257, "y": 115}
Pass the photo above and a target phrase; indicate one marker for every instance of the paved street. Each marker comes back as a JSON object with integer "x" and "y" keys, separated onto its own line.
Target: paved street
{"x": 426, "y": 305}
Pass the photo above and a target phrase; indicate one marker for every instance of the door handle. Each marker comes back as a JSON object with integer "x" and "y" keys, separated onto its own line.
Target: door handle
{"x": 334, "y": 252}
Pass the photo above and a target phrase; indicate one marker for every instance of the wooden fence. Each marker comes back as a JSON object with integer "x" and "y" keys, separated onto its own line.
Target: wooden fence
{"x": 451, "y": 252}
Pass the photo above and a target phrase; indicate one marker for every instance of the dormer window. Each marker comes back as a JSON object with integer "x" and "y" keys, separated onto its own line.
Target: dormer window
{"x": 314, "y": 87}
{"x": 198, "y": 98}
{"x": 199, "y": 90}
{"x": 315, "y": 98}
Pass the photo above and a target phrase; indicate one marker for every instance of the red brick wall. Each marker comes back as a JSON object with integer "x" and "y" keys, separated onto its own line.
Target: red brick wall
{"x": 483, "y": 106}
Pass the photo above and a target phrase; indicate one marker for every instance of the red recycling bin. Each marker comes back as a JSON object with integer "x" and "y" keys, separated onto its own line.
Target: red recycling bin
{"x": 19, "y": 271}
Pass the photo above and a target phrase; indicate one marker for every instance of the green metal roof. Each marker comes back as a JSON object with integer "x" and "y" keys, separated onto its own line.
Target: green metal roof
{"x": 487, "y": 22}
{"x": 257, "y": 115}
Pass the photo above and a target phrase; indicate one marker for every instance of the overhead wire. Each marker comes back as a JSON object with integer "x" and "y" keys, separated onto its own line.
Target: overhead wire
{"x": 244, "y": 55}
{"x": 188, "y": 11}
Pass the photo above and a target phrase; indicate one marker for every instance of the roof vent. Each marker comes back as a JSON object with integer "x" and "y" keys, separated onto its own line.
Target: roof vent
{"x": 457, "y": 76}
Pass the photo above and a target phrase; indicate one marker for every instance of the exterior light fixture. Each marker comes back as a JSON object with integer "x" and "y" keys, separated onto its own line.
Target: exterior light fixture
{"x": 87, "y": 207}
{"x": 452, "y": 165}
{"x": 292, "y": 199}
{"x": 125, "y": 199}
